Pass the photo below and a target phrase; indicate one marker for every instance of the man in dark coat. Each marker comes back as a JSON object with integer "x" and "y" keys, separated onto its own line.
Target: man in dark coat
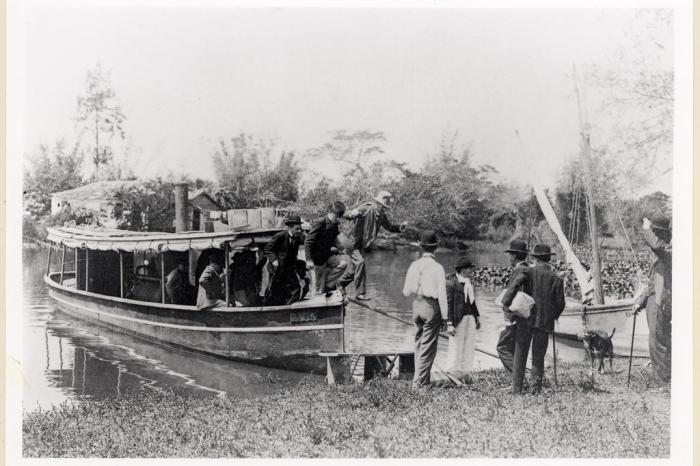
{"x": 368, "y": 217}
{"x": 547, "y": 289}
{"x": 281, "y": 253}
{"x": 506, "y": 341}
{"x": 656, "y": 297}
{"x": 323, "y": 252}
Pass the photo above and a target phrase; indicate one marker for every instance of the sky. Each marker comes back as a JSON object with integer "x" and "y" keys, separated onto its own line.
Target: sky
{"x": 187, "y": 77}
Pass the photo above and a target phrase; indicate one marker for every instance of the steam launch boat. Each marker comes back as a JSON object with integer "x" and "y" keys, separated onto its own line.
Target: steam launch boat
{"x": 117, "y": 279}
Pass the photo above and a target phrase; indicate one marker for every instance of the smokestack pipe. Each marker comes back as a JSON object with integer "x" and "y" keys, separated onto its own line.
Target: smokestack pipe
{"x": 181, "y": 207}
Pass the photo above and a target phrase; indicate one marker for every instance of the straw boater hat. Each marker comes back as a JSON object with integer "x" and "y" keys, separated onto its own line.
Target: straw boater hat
{"x": 383, "y": 198}
{"x": 542, "y": 250}
{"x": 293, "y": 220}
{"x": 463, "y": 262}
{"x": 518, "y": 245}
{"x": 428, "y": 238}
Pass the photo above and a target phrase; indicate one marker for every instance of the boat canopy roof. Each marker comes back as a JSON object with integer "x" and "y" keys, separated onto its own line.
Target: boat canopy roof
{"x": 109, "y": 239}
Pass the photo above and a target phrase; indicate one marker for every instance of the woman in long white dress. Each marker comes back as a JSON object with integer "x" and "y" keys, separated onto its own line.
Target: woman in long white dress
{"x": 462, "y": 320}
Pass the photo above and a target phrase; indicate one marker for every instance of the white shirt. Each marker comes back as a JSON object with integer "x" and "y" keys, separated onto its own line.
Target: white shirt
{"x": 426, "y": 277}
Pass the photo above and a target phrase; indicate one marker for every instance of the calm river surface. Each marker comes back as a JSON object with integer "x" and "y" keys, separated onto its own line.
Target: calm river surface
{"x": 67, "y": 358}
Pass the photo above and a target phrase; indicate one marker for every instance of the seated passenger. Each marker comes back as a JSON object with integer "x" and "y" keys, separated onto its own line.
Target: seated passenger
{"x": 245, "y": 276}
{"x": 176, "y": 285}
{"x": 211, "y": 283}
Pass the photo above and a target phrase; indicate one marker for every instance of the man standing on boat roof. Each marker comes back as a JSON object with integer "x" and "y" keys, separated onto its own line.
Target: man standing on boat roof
{"x": 369, "y": 217}
{"x": 425, "y": 281}
{"x": 282, "y": 263}
{"x": 323, "y": 252}
{"x": 656, "y": 297}
{"x": 506, "y": 341}
{"x": 547, "y": 289}
{"x": 211, "y": 285}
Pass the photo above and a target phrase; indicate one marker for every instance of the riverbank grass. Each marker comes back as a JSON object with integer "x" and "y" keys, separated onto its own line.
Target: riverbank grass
{"x": 381, "y": 418}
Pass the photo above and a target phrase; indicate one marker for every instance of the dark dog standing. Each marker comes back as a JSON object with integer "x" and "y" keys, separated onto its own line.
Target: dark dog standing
{"x": 599, "y": 344}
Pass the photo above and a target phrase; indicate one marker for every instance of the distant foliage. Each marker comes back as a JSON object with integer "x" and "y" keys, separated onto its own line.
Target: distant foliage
{"x": 247, "y": 178}
{"x": 148, "y": 206}
{"x": 354, "y": 150}
{"x": 51, "y": 170}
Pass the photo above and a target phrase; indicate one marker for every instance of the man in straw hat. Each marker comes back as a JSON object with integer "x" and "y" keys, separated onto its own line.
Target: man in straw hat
{"x": 369, "y": 217}
{"x": 656, "y": 297}
{"x": 506, "y": 340}
{"x": 425, "y": 281}
{"x": 281, "y": 253}
{"x": 547, "y": 289}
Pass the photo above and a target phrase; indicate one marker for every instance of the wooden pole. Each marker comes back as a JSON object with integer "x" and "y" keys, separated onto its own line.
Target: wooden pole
{"x": 75, "y": 269}
{"x": 226, "y": 271}
{"x": 588, "y": 185}
{"x": 48, "y": 262}
{"x": 63, "y": 264}
{"x": 162, "y": 278}
{"x": 121, "y": 275}
{"x": 87, "y": 269}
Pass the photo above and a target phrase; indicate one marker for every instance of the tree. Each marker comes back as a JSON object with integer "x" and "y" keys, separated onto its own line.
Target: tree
{"x": 352, "y": 150}
{"x": 147, "y": 206}
{"x": 51, "y": 170}
{"x": 634, "y": 115}
{"x": 100, "y": 116}
{"x": 246, "y": 176}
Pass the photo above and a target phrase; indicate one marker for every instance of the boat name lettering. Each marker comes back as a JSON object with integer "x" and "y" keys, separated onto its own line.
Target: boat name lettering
{"x": 302, "y": 316}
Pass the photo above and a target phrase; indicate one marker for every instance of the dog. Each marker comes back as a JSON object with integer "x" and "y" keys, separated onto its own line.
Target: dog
{"x": 598, "y": 344}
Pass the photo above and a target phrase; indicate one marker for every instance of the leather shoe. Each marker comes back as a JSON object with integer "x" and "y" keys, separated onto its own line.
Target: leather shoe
{"x": 362, "y": 297}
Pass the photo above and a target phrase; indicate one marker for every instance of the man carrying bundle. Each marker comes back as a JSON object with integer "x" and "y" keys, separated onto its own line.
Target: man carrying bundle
{"x": 323, "y": 252}
{"x": 369, "y": 217}
{"x": 547, "y": 289}
{"x": 656, "y": 297}
{"x": 506, "y": 341}
{"x": 425, "y": 281}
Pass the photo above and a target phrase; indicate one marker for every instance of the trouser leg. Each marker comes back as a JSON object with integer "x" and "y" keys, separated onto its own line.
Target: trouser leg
{"x": 319, "y": 278}
{"x": 358, "y": 260}
{"x": 506, "y": 347}
{"x": 338, "y": 271}
{"x": 540, "y": 341}
{"x": 427, "y": 317}
{"x": 523, "y": 335}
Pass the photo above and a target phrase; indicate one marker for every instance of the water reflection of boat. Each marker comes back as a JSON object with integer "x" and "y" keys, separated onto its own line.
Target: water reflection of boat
{"x": 105, "y": 364}
{"x": 102, "y": 262}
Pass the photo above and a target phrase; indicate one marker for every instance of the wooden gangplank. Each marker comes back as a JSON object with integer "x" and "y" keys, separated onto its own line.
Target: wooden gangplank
{"x": 364, "y": 366}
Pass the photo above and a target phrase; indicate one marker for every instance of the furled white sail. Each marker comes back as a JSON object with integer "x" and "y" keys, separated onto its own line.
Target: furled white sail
{"x": 584, "y": 277}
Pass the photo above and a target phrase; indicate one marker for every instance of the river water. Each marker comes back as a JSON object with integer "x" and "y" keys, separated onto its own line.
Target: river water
{"x": 68, "y": 358}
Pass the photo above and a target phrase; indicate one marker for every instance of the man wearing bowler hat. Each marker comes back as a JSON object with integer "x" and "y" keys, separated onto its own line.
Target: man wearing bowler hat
{"x": 547, "y": 289}
{"x": 425, "y": 281}
{"x": 281, "y": 253}
{"x": 505, "y": 347}
{"x": 656, "y": 297}
{"x": 368, "y": 217}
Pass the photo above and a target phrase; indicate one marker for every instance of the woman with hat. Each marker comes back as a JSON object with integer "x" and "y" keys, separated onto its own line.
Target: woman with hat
{"x": 425, "y": 281}
{"x": 462, "y": 320}
{"x": 656, "y": 297}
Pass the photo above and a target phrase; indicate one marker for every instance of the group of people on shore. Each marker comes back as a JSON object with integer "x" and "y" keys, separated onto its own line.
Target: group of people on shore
{"x": 449, "y": 304}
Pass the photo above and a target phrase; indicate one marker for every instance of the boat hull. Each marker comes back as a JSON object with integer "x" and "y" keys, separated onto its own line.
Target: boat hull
{"x": 287, "y": 337}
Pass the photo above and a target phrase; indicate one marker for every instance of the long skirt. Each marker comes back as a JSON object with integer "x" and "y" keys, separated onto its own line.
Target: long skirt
{"x": 659, "y": 321}
{"x": 460, "y": 352}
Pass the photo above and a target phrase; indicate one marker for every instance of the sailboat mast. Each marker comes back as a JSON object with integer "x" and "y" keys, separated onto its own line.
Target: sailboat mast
{"x": 588, "y": 185}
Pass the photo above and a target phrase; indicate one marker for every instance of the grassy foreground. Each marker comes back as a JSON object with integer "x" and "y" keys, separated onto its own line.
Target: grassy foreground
{"x": 382, "y": 418}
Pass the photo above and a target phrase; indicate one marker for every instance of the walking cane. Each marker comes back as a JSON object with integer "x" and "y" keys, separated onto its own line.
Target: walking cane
{"x": 629, "y": 370}
{"x": 554, "y": 353}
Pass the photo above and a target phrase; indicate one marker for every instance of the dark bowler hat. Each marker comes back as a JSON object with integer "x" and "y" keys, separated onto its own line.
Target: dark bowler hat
{"x": 429, "y": 238}
{"x": 463, "y": 262}
{"x": 542, "y": 250}
{"x": 293, "y": 220}
{"x": 661, "y": 222}
{"x": 517, "y": 245}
